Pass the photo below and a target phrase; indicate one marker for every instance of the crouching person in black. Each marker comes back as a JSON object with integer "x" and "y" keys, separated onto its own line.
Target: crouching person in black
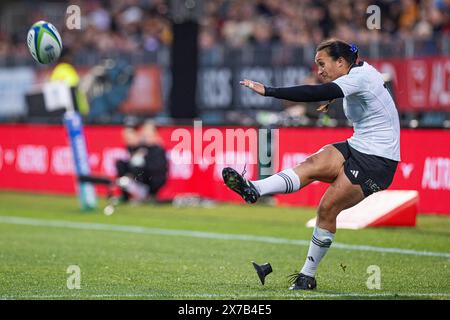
{"x": 145, "y": 173}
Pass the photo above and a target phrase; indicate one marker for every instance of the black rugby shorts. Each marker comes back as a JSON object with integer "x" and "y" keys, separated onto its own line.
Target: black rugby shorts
{"x": 372, "y": 173}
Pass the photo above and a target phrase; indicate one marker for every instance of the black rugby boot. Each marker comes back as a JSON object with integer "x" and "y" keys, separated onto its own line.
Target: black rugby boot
{"x": 240, "y": 185}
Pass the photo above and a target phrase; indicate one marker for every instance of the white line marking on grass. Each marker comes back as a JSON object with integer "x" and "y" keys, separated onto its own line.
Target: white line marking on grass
{"x": 240, "y": 296}
{"x": 202, "y": 234}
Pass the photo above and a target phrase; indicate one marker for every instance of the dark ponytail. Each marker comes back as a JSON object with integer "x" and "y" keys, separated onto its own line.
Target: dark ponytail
{"x": 338, "y": 48}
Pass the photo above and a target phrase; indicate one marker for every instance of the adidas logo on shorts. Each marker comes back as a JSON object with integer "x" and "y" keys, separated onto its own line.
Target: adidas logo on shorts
{"x": 355, "y": 173}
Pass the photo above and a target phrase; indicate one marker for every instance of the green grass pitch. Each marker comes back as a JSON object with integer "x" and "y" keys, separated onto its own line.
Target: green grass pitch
{"x": 164, "y": 252}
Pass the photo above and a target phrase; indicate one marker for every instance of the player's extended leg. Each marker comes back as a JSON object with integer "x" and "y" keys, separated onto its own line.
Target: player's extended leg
{"x": 324, "y": 165}
{"x": 340, "y": 195}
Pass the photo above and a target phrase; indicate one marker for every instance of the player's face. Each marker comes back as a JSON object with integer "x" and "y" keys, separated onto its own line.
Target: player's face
{"x": 328, "y": 69}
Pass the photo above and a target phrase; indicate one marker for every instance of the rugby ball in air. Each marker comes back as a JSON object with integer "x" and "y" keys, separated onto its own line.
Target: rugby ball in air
{"x": 44, "y": 42}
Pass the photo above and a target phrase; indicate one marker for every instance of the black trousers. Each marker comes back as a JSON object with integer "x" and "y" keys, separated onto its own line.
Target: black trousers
{"x": 154, "y": 181}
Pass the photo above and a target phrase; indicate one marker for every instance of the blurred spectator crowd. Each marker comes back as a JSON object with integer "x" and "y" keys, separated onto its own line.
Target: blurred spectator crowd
{"x": 106, "y": 25}
{"x": 305, "y": 22}
{"x": 131, "y": 25}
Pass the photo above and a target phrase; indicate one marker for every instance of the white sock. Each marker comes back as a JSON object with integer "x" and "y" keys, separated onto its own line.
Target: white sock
{"x": 318, "y": 247}
{"x": 286, "y": 181}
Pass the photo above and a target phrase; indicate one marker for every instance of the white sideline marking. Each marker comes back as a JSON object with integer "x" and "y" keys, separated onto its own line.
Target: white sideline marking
{"x": 241, "y": 296}
{"x": 202, "y": 234}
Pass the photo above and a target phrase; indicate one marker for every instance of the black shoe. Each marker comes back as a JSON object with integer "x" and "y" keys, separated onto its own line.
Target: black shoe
{"x": 240, "y": 185}
{"x": 301, "y": 281}
{"x": 262, "y": 270}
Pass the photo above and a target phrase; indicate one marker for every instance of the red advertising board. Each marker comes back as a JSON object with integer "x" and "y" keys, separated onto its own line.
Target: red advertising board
{"x": 419, "y": 83}
{"x": 37, "y": 158}
{"x": 425, "y": 164}
{"x": 196, "y": 166}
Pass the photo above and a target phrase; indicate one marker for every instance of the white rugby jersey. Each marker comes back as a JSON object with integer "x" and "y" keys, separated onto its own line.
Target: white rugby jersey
{"x": 370, "y": 107}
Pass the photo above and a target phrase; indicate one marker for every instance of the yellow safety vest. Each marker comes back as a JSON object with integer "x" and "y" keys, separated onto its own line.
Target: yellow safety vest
{"x": 67, "y": 73}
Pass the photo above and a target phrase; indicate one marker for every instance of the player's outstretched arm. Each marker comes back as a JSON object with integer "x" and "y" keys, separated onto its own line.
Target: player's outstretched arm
{"x": 303, "y": 93}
